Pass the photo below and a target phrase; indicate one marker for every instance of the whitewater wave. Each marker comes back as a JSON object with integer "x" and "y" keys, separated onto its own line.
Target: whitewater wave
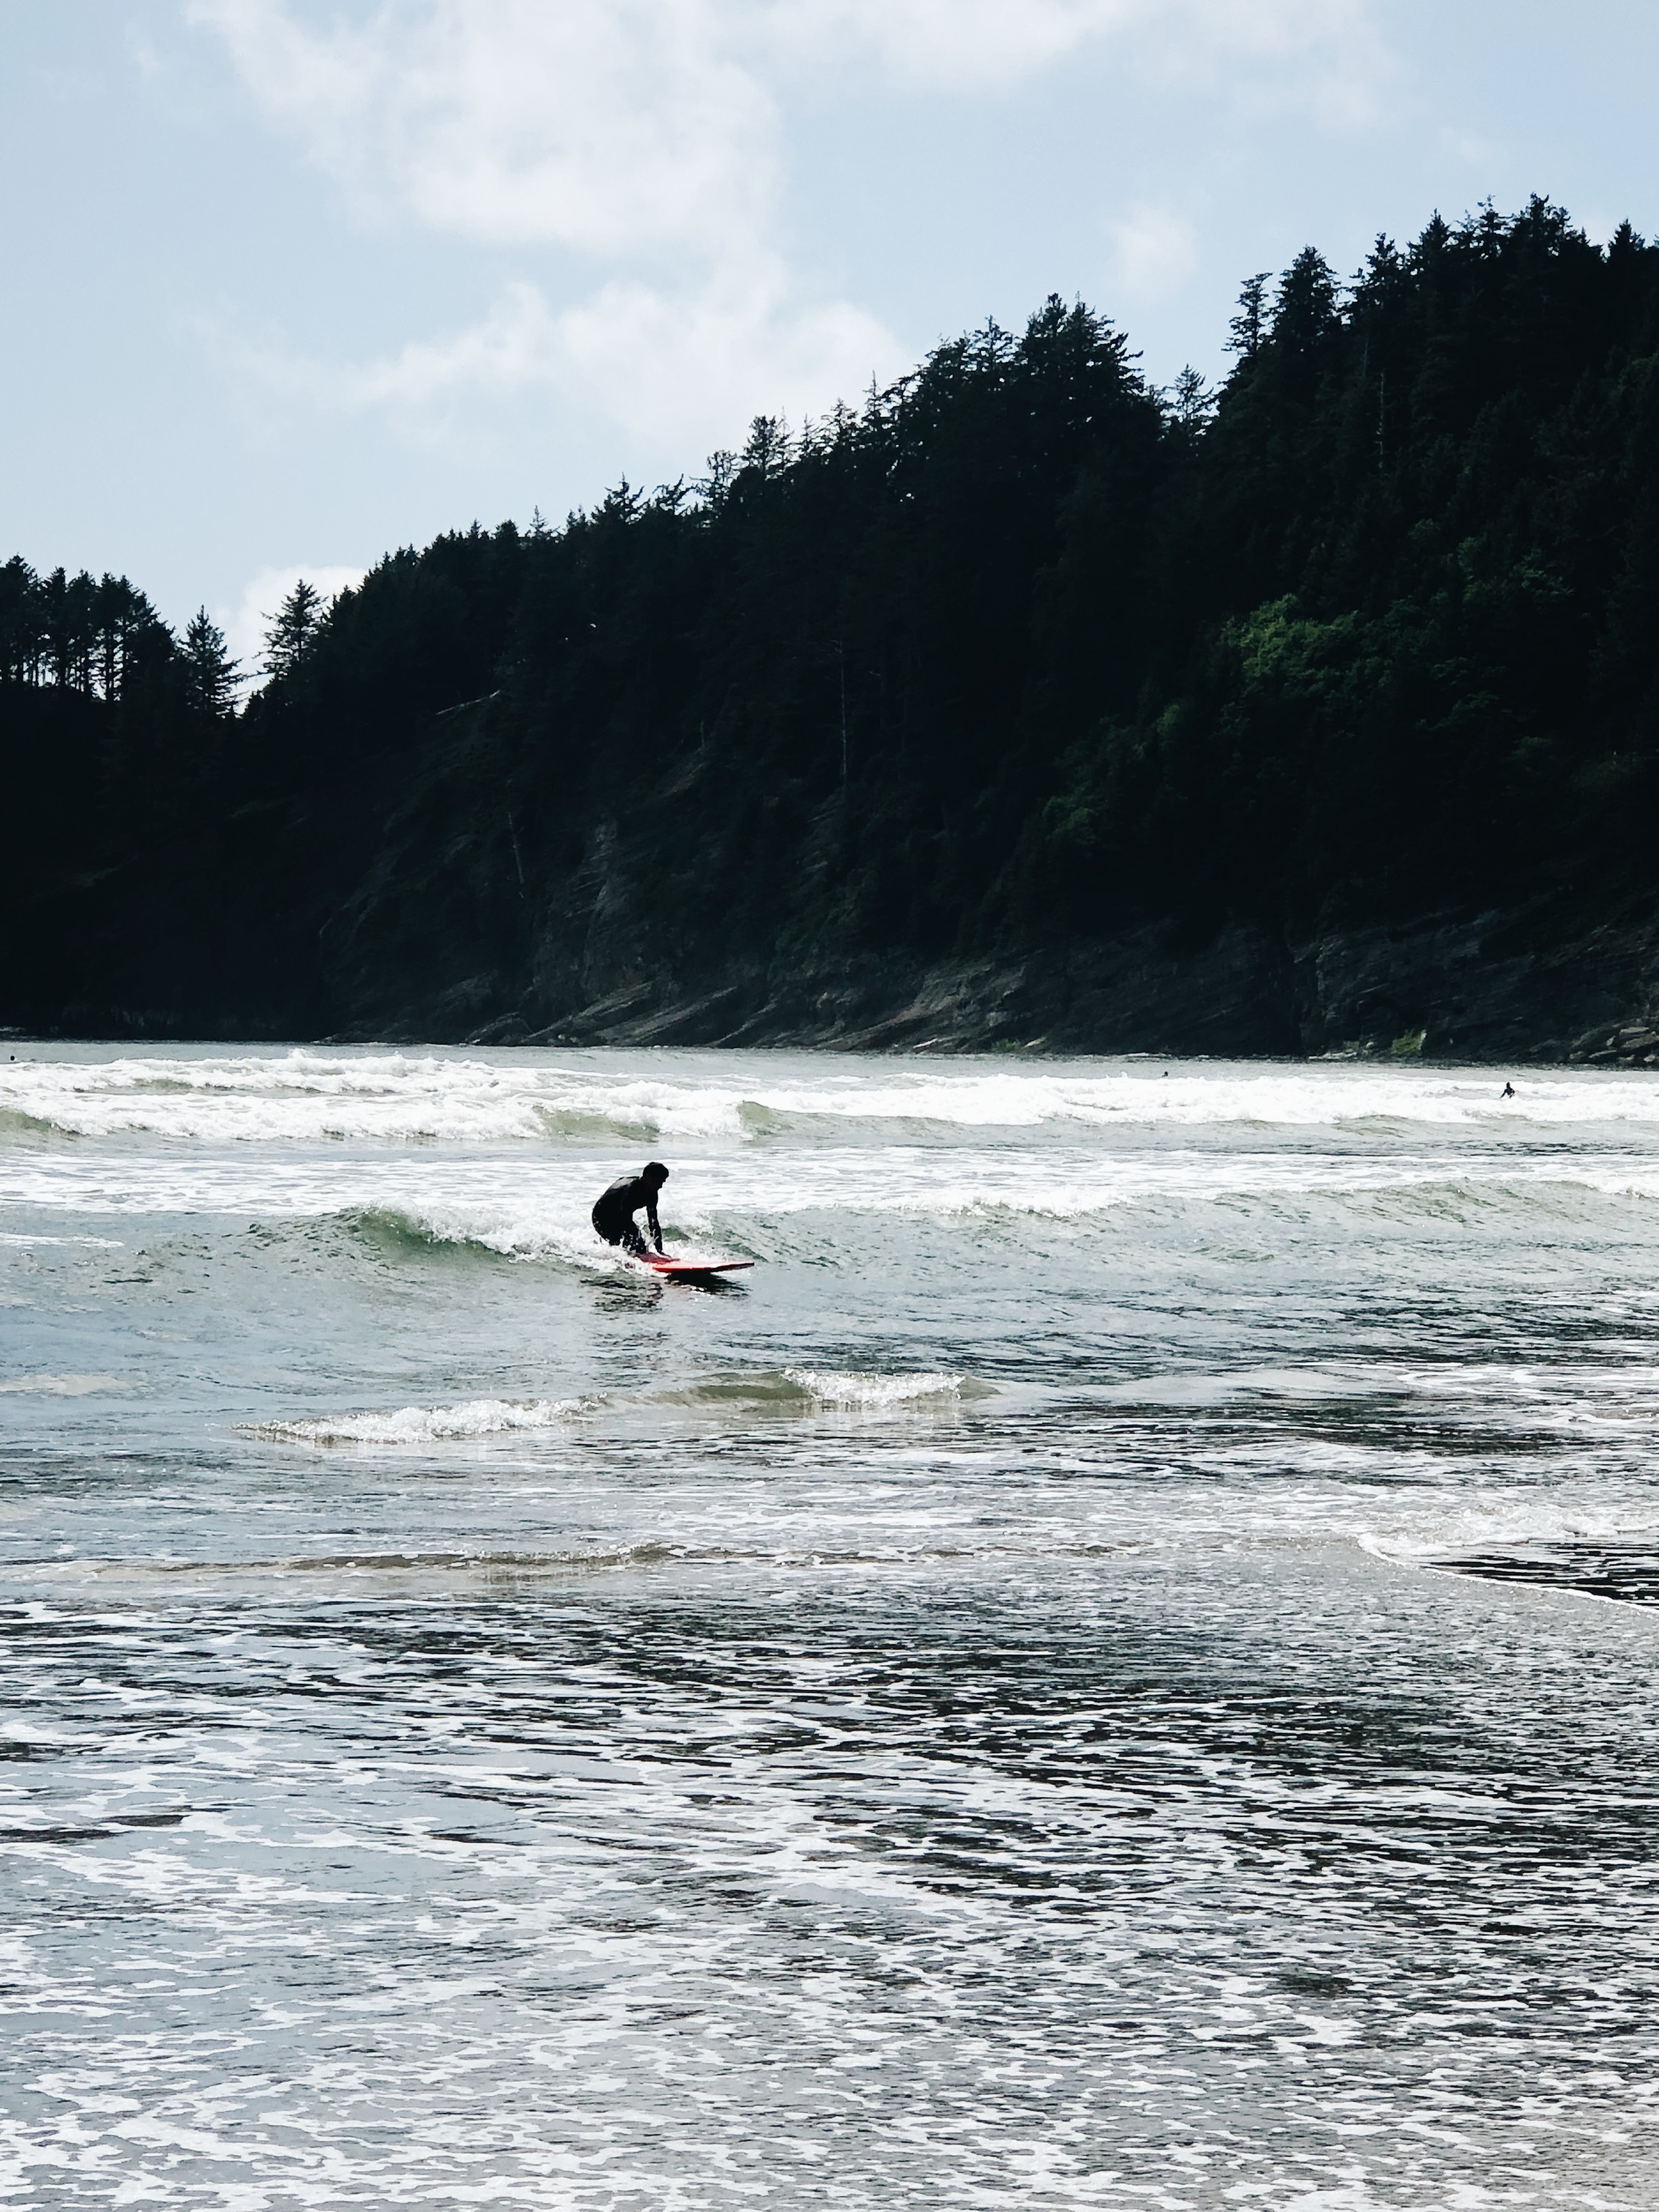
{"x": 327, "y": 1095}
{"x": 15, "y": 1124}
{"x": 812, "y": 1211}
{"x": 544, "y": 1234}
{"x": 822, "y": 1208}
{"x": 792, "y": 1389}
{"x": 806, "y": 1389}
{"x": 872, "y": 1392}
{"x": 1511, "y": 1522}
{"x": 518, "y": 1232}
{"x": 471, "y": 1419}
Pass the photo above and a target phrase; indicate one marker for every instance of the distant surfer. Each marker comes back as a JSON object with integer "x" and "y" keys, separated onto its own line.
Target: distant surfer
{"x": 1508, "y": 1091}
{"x": 613, "y": 1214}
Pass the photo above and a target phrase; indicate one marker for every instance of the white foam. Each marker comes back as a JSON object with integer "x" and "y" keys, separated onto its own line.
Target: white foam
{"x": 537, "y": 1209}
{"x": 872, "y": 1391}
{"x": 1455, "y": 1526}
{"x": 101, "y": 1243}
{"x": 424, "y": 1424}
{"x": 523, "y": 1229}
{"x": 319, "y": 1095}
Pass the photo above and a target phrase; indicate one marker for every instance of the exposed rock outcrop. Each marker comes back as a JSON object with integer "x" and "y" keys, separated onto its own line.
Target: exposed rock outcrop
{"x": 430, "y": 949}
{"x": 447, "y": 938}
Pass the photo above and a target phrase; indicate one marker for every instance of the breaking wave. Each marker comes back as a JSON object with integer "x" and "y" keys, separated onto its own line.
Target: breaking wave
{"x": 552, "y": 1233}
{"x": 324, "y": 1095}
{"x": 15, "y": 1123}
{"x": 521, "y": 1233}
{"x": 803, "y": 1390}
{"x": 874, "y": 1392}
{"x": 790, "y": 1390}
{"x": 473, "y": 1419}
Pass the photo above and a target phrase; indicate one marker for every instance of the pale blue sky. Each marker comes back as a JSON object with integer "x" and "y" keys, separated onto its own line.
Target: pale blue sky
{"x": 288, "y": 282}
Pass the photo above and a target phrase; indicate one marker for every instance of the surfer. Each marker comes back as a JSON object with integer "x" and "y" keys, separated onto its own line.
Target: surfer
{"x": 613, "y": 1213}
{"x": 1508, "y": 1091}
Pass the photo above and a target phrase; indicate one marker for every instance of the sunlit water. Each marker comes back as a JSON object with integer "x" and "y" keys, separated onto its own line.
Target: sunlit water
{"x": 985, "y": 1711}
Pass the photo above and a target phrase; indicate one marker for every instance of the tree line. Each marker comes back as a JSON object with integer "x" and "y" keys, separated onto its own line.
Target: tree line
{"x": 1019, "y": 651}
{"x": 98, "y": 636}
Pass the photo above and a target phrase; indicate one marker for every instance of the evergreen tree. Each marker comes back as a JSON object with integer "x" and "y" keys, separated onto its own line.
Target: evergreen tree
{"x": 210, "y": 672}
{"x": 1248, "y": 326}
{"x": 1190, "y": 401}
{"x": 20, "y": 622}
{"x": 293, "y": 630}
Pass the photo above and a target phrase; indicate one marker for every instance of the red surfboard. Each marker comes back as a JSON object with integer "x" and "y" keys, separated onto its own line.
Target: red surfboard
{"x": 670, "y": 1264}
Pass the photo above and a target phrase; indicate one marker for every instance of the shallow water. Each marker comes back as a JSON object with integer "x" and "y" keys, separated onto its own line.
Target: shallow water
{"x": 1099, "y": 1673}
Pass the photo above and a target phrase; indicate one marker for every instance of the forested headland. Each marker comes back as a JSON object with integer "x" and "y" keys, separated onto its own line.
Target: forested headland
{"x": 1023, "y": 703}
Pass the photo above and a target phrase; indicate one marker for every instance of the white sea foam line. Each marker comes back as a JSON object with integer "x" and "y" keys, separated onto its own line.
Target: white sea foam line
{"x": 473, "y": 1417}
{"x": 512, "y": 1204}
{"x": 377, "y": 1095}
{"x": 103, "y": 1243}
{"x": 420, "y": 1424}
{"x": 1453, "y": 1524}
{"x": 63, "y": 1386}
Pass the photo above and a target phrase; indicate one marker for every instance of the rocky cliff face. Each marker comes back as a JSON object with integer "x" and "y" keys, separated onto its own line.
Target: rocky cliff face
{"x": 445, "y": 943}
{"x": 459, "y": 928}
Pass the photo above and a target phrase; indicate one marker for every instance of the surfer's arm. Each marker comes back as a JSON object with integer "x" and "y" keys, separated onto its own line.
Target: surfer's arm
{"x": 656, "y": 1226}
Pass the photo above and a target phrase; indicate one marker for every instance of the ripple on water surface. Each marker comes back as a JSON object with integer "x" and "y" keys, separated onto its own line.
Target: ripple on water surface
{"x": 1092, "y": 1682}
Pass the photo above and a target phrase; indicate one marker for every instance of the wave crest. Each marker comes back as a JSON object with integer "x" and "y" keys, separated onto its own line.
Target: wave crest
{"x": 363, "y": 1094}
{"x": 504, "y": 1236}
{"x": 473, "y": 1419}
{"x": 869, "y": 1392}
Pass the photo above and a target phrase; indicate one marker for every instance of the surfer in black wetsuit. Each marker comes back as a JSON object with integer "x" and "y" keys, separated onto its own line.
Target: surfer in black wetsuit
{"x": 613, "y": 1214}
{"x": 1508, "y": 1091}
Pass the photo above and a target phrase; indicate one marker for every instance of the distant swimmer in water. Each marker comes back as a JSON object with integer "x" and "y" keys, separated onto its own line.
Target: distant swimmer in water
{"x": 1508, "y": 1091}
{"x": 613, "y": 1215}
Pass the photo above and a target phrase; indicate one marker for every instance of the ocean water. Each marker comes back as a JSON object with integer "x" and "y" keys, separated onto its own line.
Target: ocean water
{"x": 1114, "y": 1669}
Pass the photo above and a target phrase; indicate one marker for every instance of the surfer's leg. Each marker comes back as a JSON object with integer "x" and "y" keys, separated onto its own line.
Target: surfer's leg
{"x": 632, "y": 1241}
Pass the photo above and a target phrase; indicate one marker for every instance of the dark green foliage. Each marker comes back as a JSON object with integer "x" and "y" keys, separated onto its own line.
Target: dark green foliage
{"x": 210, "y": 672}
{"x": 1021, "y": 650}
{"x": 293, "y": 630}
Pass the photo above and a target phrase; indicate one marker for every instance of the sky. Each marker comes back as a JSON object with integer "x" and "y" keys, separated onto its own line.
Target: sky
{"x": 291, "y": 282}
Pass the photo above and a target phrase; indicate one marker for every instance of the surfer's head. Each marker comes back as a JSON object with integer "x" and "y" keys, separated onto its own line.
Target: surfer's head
{"x": 655, "y": 1172}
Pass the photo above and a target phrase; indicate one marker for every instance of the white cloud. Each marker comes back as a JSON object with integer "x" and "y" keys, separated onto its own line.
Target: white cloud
{"x": 624, "y": 129}
{"x": 1155, "y": 250}
{"x": 244, "y": 625}
{"x": 516, "y": 345}
{"x": 702, "y": 365}
{"x": 615, "y": 125}
{"x": 647, "y": 136}
{"x": 1324, "y": 54}
{"x": 688, "y": 368}
{"x": 604, "y": 125}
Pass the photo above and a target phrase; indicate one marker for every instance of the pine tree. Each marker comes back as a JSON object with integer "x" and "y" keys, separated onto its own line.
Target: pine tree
{"x": 1190, "y": 399}
{"x": 21, "y": 643}
{"x": 210, "y": 672}
{"x": 1250, "y": 325}
{"x": 293, "y": 630}
{"x": 1305, "y": 310}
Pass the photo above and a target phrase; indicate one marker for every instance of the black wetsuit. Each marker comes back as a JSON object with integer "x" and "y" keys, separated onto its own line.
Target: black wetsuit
{"x": 613, "y": 1215}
